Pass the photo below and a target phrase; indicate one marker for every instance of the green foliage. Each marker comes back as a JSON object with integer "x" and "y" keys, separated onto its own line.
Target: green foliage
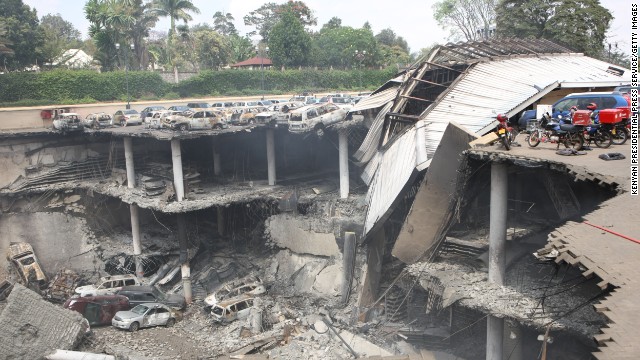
{"x": 60, "y": 85}
{"x": 336, "y": 46}
{"x": 580, "y": 25}
{"x": 268, "y": 15}
{"x": 22, "y": 32}
{"x": 289, "y": 43}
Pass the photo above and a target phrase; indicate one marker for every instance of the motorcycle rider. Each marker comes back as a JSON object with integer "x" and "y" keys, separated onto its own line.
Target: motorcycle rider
{"x": 593, "y": 107}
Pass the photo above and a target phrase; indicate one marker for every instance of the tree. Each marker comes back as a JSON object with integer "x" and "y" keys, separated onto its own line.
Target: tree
{"x": 240, "y": 48}
{"x": 223, "y": 23}
{"x": 265, "y": 17}
{"x": 333, "y": 23}
{"x": 578, "y": 24}
{"x": 5, "y": 44}
{"x": 23, "y": 32}
{"x": 388, "y": 37}
{"x": 469, "y": 18}
{"x": 289, "y": 43}
{"x": 174, "y": 10}
{"x": 60, "y": 35}
{"x": 336, "y": 47}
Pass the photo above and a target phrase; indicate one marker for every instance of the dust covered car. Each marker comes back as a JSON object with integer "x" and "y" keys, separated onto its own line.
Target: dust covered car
{"x": 199, "y": 120}
{"x": 68, "y": 122}
{"x": 232, "y": 309}
{"x": 21, "y": 255}
{"x": 144, "y": 315}
{"x": 246, "y": 116}
{"x": 126, "y": 117}
{"x": 108, "y": 285}
{"x": 97, "y": 120}
{"x": 316, "y": 118}
{"x": 144, "y": 294}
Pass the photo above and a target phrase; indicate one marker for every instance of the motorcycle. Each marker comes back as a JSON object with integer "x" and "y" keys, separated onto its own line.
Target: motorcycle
{"x": 505, "y": 132}
{"x": 600, "y": 134}
{"x": 620, "y": 132}
{"x": 556, "y": 133}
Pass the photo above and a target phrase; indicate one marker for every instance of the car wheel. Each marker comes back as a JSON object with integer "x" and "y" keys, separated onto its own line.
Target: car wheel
{"x": 170, "y": 322}
{"x": 182, "y": 127}
{"x": 123, "y": 123}
{"x": 320, "y": 131}
{"x": 134, "y": 327}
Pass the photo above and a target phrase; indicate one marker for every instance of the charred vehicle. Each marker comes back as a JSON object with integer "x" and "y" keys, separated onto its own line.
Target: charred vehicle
{"x": 144, "y": 315}
{"x": 199, "y": 120}
{"x": 98, "y": 310}
{"x": 248, "y": 286}
{"x": 232, "y": 309}
{"x": 316, "y": 117}
{"x": 97, "y": 120}
{"x": 68, "y": 122}
{"x": 21, "y": 255}
{"x": 246, "y": 116}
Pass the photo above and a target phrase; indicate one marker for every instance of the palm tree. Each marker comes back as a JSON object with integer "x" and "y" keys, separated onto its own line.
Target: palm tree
{"x": 174, "y": 10}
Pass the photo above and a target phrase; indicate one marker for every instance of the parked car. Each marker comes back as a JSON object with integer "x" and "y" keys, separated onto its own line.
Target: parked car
{"x": 183, "y": 110}
{"x": 108, "y": 285}
{"x": 604, "y": 100}
{"x": 278, "y": 114}
{"x": 343, "y": 102}
{"x": 143, "y": 294}
{"x": 97, "y": 120}
{"x": 198, "y": 105}
{"x": 144, "y": 315}
{"x": 246, "y": 116}
{"x": 148, "y": 111}
{"x": 249, "y": 286}
{"x": 311, "y": 101}
{"x": 98, "y": 310}
{"x": 232, "y": 309}
{"x": 222, "y": 105}
{"x": 21, "y": 255}
{"x": 68, "y": 122}
{"x": 265, "y": 103}
{"x": 126, "y": 117}
{"x": 315, "y": 117}
{"x": 195, "y": 121}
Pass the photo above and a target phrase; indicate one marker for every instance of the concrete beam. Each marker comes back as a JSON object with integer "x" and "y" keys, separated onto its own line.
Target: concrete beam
{"x": 128, "y": 157}
{"x": 343, "y": 159}
{"x": 178, "y": 179}
{"x": 220, "y": 218}
{"x": 271, "y": 157}
{"x": 135, "y": 233}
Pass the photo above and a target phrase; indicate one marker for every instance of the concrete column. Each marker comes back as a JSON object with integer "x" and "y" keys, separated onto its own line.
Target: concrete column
{"x": 184, "y": 259}
{"x": 421, "y": 143}
{"x": 216, "y": 159}
{"x": 133, "y": 208}
{"x": 176, "y": 155}
{"x": 128, "y": 157}
{"x": 137, "y": 247}
{"x": 348, "y": 264}
{"x": 271, "y": 157}
{"x": 220, "y": 217}
{"x": 343, "y": 160}
{"x": 497, "y": 259}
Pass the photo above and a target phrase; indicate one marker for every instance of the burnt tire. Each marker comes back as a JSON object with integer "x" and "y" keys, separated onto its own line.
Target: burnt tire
{"x": 123, "y": 123}
{"x": 534, "y": 138}
{"x": 319, "y": 130}
{"x": 602, "y": 139}
{"x": 134, "y": 326}
{"x": 170, "y": 322}
{"x": 183, "y": 127}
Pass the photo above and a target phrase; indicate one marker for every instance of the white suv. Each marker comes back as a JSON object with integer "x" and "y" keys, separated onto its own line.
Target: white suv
{"x": 108, "y": 285}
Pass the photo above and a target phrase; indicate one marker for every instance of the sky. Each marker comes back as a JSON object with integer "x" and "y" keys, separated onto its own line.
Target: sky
{"x": 411, "y": 19}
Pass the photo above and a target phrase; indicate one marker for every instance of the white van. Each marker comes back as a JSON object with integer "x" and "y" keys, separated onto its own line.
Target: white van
{"x": 315, "y": 117}
{"x": 232, "y": 309}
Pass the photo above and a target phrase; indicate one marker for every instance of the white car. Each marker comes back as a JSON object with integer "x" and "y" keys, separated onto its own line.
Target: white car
{"x": 68, "y": 122}
{"x": 233, "y": 309}
{"x": 228, "y": 291}
{"x": 316, "y": 118}
{"x": 126, "y": 117}
{"x": 144, "y": 315}
{"x": 108, "y": 285}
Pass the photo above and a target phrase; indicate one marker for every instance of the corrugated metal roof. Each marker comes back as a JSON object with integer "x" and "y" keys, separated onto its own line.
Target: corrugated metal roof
{"x": 376, "y": 100}
{"x": 397, "y": 163}
{"x": 498, "y": 86}
{"x": 370, "y": 170}
{"x": 370, "y": 143}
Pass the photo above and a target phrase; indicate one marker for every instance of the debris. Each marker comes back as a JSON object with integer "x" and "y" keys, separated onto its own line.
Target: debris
{"x": 62, "y": 286}
{"x": 612, "y": 156}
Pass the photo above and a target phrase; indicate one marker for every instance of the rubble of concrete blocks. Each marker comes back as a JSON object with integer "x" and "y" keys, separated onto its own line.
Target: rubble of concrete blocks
{"x": 31, "y": 327}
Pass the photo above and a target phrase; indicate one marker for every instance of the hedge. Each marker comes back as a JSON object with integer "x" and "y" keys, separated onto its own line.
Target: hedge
{"x": 84, "y": 86}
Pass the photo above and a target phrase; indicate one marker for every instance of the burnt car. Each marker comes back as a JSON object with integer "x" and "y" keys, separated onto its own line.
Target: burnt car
{"x": 198, "y": 120}
{"x": 316, "y": 118}
{"x": 145, "y": 315}
{"x": 108, "y": 285}
{"x": 98, "y": 310}
{"x": 146, "y": 294}
{"x": 21, "y": 255}
{"x": 249, "y": 286}
{"x": 97, "y": 120}
{"x": 233, "y": 309}
{"x": 149, "y": 110}
{"x": 68, "y": 122}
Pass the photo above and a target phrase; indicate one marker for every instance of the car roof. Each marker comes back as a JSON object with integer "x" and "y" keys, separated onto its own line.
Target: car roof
{"x": 593, "y": 93}
{"x": 98, "y": 297}
{"x": 138, "y": 288}
{"x": 154, "y": 304}
{"x": 234, "y": 300}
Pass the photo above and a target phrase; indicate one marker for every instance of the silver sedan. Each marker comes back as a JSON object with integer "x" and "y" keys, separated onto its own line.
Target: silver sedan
{"x": 144, "y": 315}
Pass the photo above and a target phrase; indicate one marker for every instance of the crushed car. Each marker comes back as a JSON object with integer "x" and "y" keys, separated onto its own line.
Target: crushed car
{"x": 315, "y": 117}
{"x": 145, "y": 315}
{"x": 68, "y": 122}
{"x": 144, "y": 294}
{"x": 198, "y": 120}
{"x": 97, "y": 120}
{"x": 108, "y": 285}
{"x": 98, "y": 310}
{"x": 249, "y": 286}
{"x": 21, "y": 255}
